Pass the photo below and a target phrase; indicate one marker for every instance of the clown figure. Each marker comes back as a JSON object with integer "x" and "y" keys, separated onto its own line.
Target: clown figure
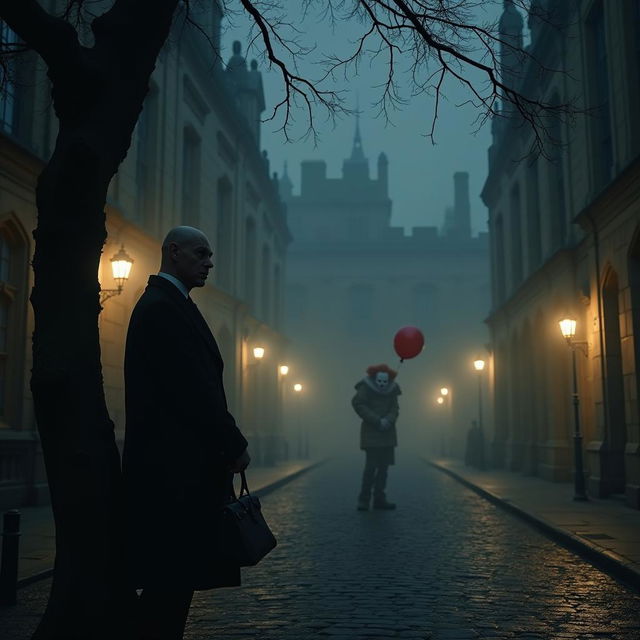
{"x": 376, "y": 402}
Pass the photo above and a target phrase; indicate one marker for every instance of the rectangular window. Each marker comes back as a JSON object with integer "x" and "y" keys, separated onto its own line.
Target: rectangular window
{"x": 146, "y": 158}
{"x": 8, "y": 95}
{"x": 191, "y": 178}
{"x": 599, "y": 98}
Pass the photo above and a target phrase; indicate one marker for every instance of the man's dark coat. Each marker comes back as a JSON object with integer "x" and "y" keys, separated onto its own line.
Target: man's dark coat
{"x": 179, "y": 441}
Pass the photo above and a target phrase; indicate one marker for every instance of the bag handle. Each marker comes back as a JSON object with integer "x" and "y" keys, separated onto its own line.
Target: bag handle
{"x": 244, "y": 487}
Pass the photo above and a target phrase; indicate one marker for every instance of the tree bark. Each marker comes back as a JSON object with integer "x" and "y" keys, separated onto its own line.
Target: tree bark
{"x": 98, "y": 94}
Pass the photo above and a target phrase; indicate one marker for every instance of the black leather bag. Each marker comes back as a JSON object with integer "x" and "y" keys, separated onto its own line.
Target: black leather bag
{"x": 247, "y": 536}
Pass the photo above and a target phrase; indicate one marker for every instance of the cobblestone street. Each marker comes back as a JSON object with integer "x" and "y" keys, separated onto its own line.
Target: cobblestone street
{"x": 446, "y": 565}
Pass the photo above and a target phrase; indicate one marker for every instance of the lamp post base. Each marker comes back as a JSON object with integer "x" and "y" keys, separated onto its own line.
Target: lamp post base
{"x": 580, "y": 492}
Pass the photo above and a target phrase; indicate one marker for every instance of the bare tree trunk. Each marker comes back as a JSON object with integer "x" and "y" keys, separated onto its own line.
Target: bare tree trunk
{"x": 98, "y": 94}
{"x": 89, "y": 596}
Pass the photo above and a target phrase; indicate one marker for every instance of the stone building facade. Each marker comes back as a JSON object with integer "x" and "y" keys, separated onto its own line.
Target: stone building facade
{"x": 565, "y": 241}
{"x": 194, "y": 159}
{"x": 354, "y": 279}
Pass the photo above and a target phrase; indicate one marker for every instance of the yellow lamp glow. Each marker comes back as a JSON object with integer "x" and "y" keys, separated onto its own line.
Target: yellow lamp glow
{"x": 478, "y": 365}
{"x": 258, "y": 353}
{"x": 297, "y": 387}
{"x": 444, "y": 391}
{"x": 121, "y": 264}
{"x": 568, "y": 328}
{"x": 284, "y": 369}
{"x": 440, "y": 400}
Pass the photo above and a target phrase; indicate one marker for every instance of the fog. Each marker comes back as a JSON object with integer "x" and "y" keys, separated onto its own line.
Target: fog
{"x": 348, "y": 295}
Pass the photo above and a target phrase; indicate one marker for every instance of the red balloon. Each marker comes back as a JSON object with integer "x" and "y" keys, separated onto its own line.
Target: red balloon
{"x": 408, "y": 342}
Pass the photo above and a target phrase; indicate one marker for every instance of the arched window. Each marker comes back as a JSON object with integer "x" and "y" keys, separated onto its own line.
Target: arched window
{"x": 13, "y": 297}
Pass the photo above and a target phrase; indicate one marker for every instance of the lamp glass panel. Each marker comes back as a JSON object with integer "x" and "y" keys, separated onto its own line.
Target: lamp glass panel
{"x": 478, "y": 364}
{"x": 568, "y": 327}
{"x": 121, "y": 269}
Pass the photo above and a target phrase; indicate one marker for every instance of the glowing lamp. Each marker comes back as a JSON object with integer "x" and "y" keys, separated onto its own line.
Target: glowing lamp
{"x": 258, "y": 353}
{"x": 121, "y": 264}
{"x": 440, "y": 400}
{"x": 284, "y": 370}
{"x": 297, "y": 387}
{"x": 478, "y": 365}
{"x": 568, "y": 328}
{"x": 444, "y": 391}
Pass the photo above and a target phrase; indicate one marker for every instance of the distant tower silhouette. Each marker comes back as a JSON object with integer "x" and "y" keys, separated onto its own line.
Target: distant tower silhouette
{"x": 357, "y": 166}
{"x": 285, "y": 186}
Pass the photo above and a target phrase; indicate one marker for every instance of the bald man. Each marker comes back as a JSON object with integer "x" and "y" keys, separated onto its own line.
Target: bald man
{"x": 182, "y": 446}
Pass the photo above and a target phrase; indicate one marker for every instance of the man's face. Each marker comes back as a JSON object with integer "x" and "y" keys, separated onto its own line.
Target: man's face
{"x": 192, "y": 261}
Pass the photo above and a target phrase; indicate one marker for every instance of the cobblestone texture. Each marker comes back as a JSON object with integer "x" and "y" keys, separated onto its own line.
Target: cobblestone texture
{"x": 447, "y": 565}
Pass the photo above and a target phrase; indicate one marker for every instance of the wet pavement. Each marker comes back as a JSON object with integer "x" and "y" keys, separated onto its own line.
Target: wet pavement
{"x": 446, "y": 565}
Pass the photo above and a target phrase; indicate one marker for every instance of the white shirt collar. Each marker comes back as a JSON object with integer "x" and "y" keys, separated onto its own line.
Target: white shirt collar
{"x": 178, "y": 283}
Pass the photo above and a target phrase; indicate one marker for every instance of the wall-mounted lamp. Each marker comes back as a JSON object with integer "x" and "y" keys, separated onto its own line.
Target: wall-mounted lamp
{"x": 444, "y": 391}
{"x": 284, "y": 370}
{"x": 258, "y": 353}
{"x": 121, "y": 264}
{"x": 440, "y": 400}
{"x": 297, "y": 387}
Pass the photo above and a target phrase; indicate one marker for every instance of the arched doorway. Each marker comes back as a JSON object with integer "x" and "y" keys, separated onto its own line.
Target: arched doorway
{"x": 616, "y": 436}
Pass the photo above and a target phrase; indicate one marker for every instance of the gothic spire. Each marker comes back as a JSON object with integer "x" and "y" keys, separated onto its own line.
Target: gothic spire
{"x": 357, "y": 154}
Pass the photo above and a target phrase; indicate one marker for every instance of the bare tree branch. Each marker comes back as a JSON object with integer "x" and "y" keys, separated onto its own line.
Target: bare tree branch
{"x": 53, "y": 38}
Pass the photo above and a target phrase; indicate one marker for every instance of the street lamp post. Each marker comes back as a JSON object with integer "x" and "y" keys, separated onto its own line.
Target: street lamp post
{"x": 478, "y": 365}
{"x": 260, "y": 445}
{"x": 298, "y": 389}
{"x": 568, "y": 330}
{"x": 283, "y": 444}
{"x": 440, "y": 401}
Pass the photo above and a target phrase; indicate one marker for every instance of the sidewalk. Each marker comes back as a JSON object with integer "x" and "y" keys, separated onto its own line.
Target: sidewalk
{"x": 37, "y": 540}
{"x": 605, "y": 532}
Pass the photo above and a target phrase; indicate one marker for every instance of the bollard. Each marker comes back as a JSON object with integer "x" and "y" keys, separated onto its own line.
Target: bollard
{"x": 9, "y": 558}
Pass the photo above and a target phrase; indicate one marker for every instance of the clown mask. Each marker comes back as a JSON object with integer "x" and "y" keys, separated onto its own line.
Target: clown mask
{"x": 382, "y": 380}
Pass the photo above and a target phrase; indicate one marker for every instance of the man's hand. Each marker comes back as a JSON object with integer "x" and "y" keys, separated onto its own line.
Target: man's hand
{"x": 241, "y": 463}
{"x": 384, "y": 424}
